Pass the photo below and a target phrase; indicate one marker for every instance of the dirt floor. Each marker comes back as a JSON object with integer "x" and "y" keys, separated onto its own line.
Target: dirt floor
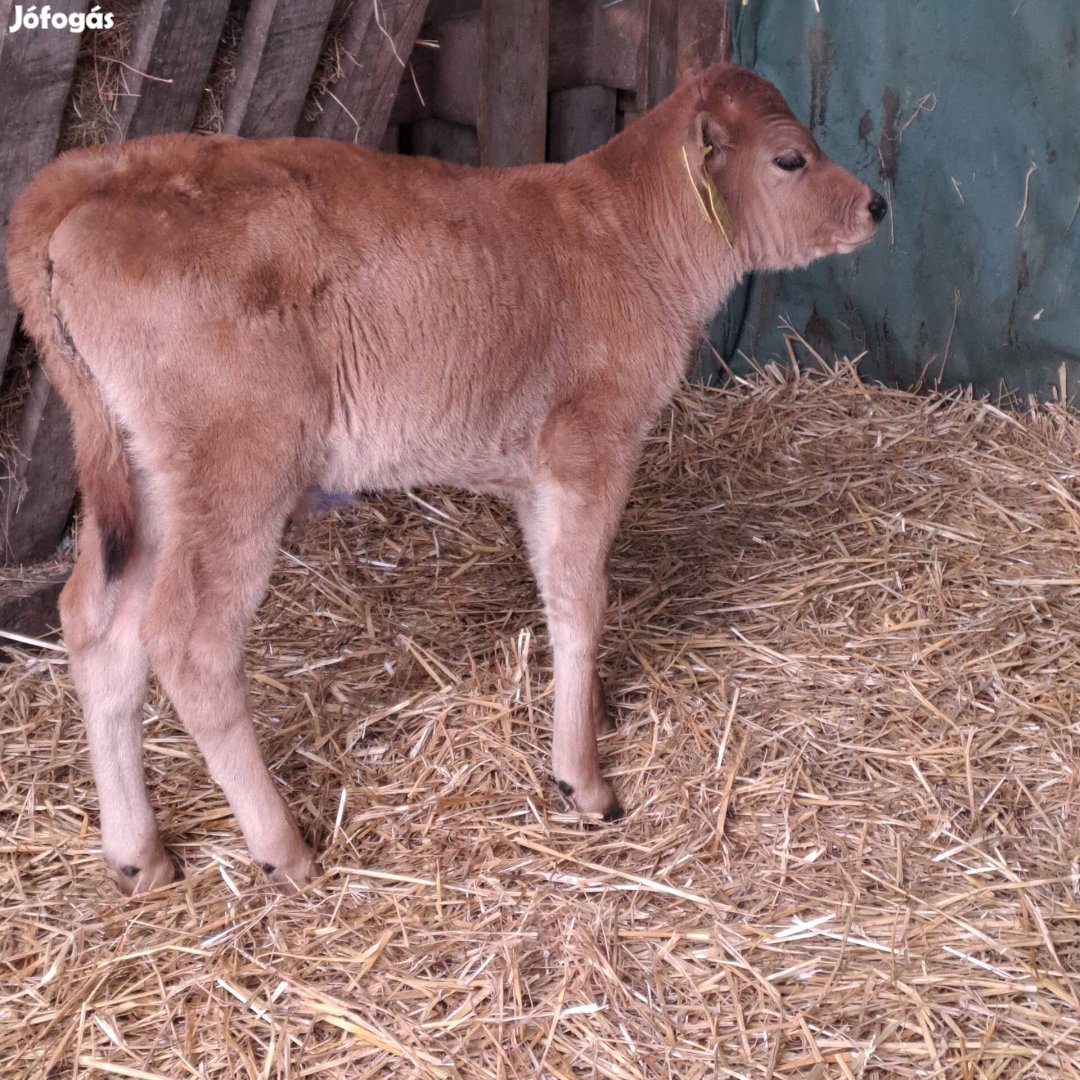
{"x": 843, "y": 650}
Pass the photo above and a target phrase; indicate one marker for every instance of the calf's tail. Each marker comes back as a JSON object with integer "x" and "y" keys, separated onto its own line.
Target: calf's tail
{"x": 102, "y": 463}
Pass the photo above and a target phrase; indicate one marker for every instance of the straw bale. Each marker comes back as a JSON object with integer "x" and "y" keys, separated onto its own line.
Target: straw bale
{"x": 842, "y": 650}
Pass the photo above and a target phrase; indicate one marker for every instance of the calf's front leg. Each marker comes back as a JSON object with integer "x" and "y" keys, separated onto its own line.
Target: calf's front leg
{"x": 569, "y": 524}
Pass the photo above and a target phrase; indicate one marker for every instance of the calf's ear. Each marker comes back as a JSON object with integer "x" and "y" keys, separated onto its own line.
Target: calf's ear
{"x": 712, "y": 140}
{"x": 706, "y": 153}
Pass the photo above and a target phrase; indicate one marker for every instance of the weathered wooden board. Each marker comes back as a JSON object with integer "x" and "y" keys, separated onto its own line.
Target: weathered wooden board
{"x": 704, "y": 34}
{"x": 30, "y": 607}
{"x": 442, "y": 76}
{"x": 596, "y": 44}
{"x": 590, "y": 44}
{"x": 391, "y": 140}
{"x": 172, "y": 48}
{"x": 442, "y": 79}
{"x": 379, "y": 40}
{"x": 676, "y": 36}
{"x": 444, "y": 140}
{"x": 455, "y": 84}
{"x": 37, "y": 497}
{"x": 35, "y": 76}
{"x": 279, "y": 50}
{"x": 452, "y": 9}
{"x": 659, "y": 53}
{"x": 581, "y": 119}
{"x": 6, "y": 20}
{"x": 512, "y": 123}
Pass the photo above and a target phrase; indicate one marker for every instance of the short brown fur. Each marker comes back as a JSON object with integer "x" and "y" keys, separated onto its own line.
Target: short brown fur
{"x": 234, "y": 324}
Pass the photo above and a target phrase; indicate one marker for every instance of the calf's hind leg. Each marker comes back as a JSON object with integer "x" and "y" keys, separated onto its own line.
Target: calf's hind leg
{"x": 212, "y": 573}
{"x": 100, "y": 620}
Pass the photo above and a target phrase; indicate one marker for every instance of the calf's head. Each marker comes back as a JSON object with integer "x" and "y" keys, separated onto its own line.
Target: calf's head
{"x": 763, "y": 181}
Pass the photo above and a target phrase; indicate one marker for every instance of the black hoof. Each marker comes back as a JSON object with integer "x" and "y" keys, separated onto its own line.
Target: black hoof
{"x": 614, "y": 813}
{"x": 268, "y": 867}
{"x": 565, "y": 788}
{"x": 130, "y": 871}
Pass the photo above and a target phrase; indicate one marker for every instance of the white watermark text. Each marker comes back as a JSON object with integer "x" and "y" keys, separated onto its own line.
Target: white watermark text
{"x": 47, "y": 19}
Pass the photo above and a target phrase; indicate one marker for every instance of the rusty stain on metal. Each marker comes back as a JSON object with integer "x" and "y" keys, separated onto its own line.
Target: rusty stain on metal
{"x": 866, "y": 126}
{"x": 888, "y": 145}
{"x": 820, "y": 52}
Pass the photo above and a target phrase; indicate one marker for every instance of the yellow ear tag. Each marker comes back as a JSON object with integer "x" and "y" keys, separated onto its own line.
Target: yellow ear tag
{"x": 716, "y": 213}
{"x": 720, "y": 212}
{"x": 694, "y": 188}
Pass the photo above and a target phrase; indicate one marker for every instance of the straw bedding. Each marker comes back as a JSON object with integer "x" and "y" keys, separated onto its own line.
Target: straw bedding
{"x": 842, "y": 649}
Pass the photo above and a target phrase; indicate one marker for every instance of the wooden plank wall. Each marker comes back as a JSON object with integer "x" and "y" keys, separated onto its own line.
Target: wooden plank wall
{"x": 377, "y": 39}
{"x": 501, "y": 82}
{"x": 512, "y": 122}
{"x": 279, "y": 50}
{"x": 605, "y": 64}
{"x": 172, "y": 49}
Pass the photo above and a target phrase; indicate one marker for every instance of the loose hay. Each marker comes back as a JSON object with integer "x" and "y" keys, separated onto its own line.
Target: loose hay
{"x": 843, "y": 652}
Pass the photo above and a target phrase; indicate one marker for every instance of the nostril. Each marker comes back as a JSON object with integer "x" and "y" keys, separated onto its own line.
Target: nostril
{"x": 878, "y": 207}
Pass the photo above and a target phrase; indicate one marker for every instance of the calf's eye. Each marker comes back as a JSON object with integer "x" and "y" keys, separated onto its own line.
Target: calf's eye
{"x": 790, "y": 162}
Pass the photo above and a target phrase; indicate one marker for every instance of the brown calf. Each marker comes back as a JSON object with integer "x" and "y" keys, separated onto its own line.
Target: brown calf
{"x": 234, "y": 324}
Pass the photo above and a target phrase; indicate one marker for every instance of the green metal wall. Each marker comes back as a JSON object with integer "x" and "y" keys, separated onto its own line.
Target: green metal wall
{"x": 944, "y": 106}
